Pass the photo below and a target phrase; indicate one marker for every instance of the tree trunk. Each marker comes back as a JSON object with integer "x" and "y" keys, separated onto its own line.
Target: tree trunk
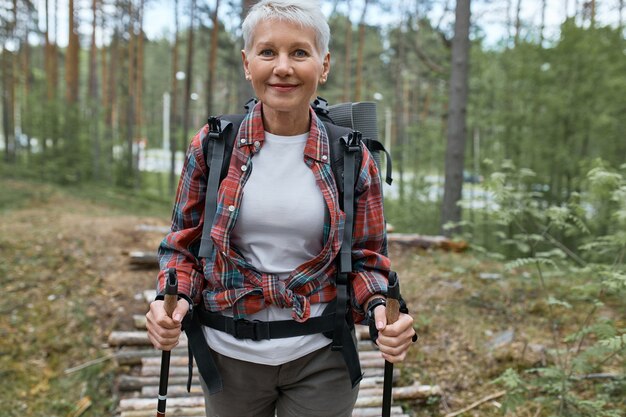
{"x": 245, "y": 91}
{"x": 359, "y": 57}
{"x": 347, "y": 71}
{"x": 104, "y": 96}
{"x": 8, "y": 105}
{"x": 112, "y": 105}
{"x": 210, "y": 97}
{"x": 139, "y": 120}
{"x": 23, "y": 101}
{"x": 93, "y": 92}
{"x": 111, "y": 78}
{"x": 542, "y": 28}
{"x": 399, "y": 111}
{"x": 93, "y": 53}
{"x": 518, "y": 22}
{"x": 48, "y": 56}
{"x": 54, "y": 55}
{"x": 455, "y": 149}
{"x": 189, "y": 75}
{"x": 130, "y": 100}
{"x": 71, "y": 61}
{"x": 173, "y": 108}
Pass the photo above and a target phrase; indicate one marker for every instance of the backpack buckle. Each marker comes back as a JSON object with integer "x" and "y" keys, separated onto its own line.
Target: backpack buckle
{"x": 251, "y": 329}
{"x": 215, "y": 127}
{"x": 320, "y": 106}
{"x": 250, "y": 104}
{"x": 353, "y": 141}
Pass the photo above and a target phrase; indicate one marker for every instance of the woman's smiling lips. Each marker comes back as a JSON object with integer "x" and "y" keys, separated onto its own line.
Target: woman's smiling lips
{"x": 284, "y": 87}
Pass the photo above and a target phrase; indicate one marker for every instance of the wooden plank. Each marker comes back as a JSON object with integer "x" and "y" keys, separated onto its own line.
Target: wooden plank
{"x": 136, "y": 338}
{"x": 200, "y": 411}
{"x": 152, "y": 228}
{"x": 128, "y": 404}
{"x": 413, "y": 392}
{"x": 128, "y": 355}
{"x": 156, "y": 370}
{"x": 140, "y": 259}
{"x": 375, "y": 412}
{"x": 178, "y": 411}
{"x": 135, "y": 383}
{"x": 427, "y": 242}
{"x": 172, "y": 391}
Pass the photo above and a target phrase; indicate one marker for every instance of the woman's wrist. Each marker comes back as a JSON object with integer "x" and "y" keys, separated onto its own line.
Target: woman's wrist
{"x": 369, "y": 303}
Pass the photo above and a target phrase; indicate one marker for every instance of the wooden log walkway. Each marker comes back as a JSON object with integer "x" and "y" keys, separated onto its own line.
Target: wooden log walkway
{"x": 139, "y": 365}
{"x": 138, "y": 383}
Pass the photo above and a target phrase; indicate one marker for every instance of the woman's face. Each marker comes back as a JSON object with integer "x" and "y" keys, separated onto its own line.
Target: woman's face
{"x": 284, "y": 66}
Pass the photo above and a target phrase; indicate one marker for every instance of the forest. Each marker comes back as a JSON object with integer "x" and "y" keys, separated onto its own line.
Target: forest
{"x": 513, "y": 142}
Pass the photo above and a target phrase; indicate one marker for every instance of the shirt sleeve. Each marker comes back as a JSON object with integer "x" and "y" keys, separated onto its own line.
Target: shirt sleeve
{"x": 179, "y": 249}
{"x": 370, "y": 264}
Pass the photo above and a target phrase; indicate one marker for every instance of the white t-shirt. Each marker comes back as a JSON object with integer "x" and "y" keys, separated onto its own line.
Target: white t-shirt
{"x": 279, "y": 227}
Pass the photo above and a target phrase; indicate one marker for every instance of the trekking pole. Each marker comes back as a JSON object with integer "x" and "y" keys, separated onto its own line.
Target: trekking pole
{"x": 392, "y": 311}
{"x": 170, "y": 302}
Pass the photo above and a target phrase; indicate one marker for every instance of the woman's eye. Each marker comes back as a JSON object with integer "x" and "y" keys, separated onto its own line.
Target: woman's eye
{"x": 301, "y": 53}
{"x": 266, "y": 52}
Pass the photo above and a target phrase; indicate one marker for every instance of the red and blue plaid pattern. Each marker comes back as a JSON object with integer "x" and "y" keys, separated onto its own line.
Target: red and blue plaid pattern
{"x": 226, "y": 280}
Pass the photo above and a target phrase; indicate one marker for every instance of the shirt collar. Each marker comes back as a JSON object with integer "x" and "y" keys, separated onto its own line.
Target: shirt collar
{"x": 252, "y": 132}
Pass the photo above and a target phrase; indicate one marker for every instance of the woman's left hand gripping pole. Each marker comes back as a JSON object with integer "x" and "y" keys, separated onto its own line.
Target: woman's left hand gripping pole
{"x": 170, "y": 301}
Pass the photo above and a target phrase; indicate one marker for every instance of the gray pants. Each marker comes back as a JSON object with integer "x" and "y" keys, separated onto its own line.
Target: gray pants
{"x": 316, "y": 385}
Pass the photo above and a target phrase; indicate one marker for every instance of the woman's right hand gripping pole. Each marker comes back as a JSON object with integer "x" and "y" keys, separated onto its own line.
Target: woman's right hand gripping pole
{"x": 164, "y": 331}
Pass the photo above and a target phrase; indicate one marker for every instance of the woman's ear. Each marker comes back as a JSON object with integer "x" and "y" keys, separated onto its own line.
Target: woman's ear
{"x": 244, "y": 60}
{"x": 326, "y": 66}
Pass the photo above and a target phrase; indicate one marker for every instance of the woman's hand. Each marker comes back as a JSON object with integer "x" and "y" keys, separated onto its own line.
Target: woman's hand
{"x": 164, "y": 331}
{"x": 394, "y": 339}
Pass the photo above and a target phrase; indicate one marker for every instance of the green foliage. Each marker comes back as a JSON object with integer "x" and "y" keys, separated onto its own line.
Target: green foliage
{"x": 529, "y": 228}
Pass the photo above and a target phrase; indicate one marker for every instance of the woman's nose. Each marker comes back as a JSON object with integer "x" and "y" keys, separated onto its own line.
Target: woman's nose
{"x": 283, "y": 65}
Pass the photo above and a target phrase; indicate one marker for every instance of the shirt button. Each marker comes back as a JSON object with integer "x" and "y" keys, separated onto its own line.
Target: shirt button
{"x": 257, "y": 144}
{"x": 231, "y": 208}
{"x": 243, "y": 141}
{"x": 244, "y": 168}
{"x": 324, "y": 157}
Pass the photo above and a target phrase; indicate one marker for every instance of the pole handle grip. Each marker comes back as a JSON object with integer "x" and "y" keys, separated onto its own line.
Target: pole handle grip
{"x": 170, "y": 299}
{"x": 392, "y": 310}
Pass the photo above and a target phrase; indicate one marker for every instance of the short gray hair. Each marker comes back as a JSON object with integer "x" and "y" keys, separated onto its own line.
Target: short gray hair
{"x": 306, "y": 13}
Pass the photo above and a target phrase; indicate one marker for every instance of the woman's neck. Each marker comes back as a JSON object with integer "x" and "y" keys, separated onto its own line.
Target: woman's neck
{"x": 286, "y": 123}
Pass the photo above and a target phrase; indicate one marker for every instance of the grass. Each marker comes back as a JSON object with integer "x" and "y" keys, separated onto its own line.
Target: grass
{"x": 64, "y": 277}
{"x": 459, "y": 316}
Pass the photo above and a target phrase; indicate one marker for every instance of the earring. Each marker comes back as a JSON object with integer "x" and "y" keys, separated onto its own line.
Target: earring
{"x": 248, "y": 77}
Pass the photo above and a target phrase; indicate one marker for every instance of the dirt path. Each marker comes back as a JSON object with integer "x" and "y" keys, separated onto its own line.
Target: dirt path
{"x": 67, "y": 285}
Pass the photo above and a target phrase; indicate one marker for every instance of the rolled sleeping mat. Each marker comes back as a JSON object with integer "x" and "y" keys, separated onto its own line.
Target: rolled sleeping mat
{"x": 359, "y": 116}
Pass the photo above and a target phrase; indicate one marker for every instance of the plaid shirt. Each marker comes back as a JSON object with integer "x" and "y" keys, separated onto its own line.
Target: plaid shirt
{"x": 226, "y": 280}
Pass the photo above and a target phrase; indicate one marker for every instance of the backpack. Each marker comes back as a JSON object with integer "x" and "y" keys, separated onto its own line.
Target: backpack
{"x": 346, "y": 124}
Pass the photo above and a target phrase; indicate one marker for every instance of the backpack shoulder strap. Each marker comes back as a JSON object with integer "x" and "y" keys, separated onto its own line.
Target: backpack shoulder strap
{"x": 337, "y": 149}
{"x": 218, "y": 145}
{"x": 345, "y": 153}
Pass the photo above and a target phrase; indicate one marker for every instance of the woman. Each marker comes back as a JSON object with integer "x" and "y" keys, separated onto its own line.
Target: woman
{"x": 277, "y": 233}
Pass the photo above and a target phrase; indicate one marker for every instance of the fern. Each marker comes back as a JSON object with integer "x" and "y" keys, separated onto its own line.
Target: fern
{"x": 561, "y": 303}
{"x": 615, "y": 344}
{"x": 522, "y": 262}
{"x": 526, "y": 225}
